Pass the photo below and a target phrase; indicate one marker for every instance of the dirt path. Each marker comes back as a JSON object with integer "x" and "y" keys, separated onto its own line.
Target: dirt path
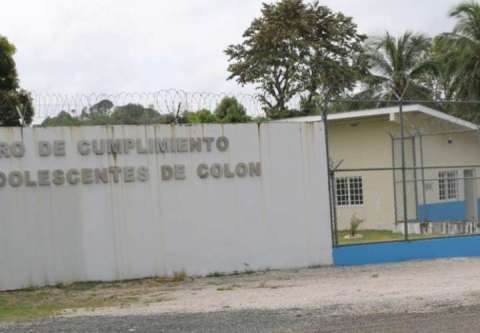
{"x": 407, "y": 287}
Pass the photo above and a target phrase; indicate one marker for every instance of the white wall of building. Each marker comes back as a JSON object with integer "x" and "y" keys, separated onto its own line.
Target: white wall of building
{"x": 364, "y": 144}
{"x": 64, "y": 233}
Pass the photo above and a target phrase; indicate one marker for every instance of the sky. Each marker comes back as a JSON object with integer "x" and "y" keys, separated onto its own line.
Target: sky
{"x": 111, "y": 46}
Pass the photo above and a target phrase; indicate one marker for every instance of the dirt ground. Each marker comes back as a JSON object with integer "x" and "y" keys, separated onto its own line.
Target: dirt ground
{"x": 413, "y": 287}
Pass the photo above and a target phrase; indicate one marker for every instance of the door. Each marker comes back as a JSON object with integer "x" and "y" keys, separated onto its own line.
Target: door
{"x": 471, "y": 214}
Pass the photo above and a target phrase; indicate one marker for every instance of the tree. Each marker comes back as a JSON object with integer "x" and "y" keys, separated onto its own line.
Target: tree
{"x": 135, "y": 114}
{"x": 296, "y": 48}
{"x": 62, "y": 119}
{"x": 8, "y": 71}
{"x": 456, "y": 56}
{"x": 398, "y": 68}
{"x": 16, "y": 107}
{"x": 203, "y": 116}
{"x": 98, "y": 114}
{"x": 231, "y": 111}
{"x": 443, "y": 81}
{"x": 462, "y": 49}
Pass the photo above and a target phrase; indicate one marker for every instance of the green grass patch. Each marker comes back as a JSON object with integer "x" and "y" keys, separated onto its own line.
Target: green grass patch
{"x": 35, "y": 303}
{"x": 374, "y": 236}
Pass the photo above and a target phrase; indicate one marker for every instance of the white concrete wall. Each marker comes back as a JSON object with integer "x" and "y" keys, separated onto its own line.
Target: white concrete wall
{"x": 52, "y": 234}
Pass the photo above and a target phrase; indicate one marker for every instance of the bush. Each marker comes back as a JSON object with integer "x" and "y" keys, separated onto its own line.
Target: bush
{"x": 355, "y": 224}
{"x": 203, "y": 116}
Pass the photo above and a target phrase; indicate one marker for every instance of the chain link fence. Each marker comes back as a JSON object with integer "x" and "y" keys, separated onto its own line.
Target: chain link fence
{"x": 403, "y": 171}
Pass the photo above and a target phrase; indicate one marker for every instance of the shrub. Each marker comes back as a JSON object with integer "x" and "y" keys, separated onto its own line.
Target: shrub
{"x": 355, "y": 224}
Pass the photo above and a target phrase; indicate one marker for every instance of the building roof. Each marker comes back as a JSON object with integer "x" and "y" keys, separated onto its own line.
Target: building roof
{"x": 390, "y": 111}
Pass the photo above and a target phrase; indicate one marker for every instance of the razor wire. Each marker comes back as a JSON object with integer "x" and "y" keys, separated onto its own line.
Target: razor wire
{"x": 168, "y": 101}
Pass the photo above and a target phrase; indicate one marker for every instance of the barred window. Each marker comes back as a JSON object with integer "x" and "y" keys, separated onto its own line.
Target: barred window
{"x": 342, "y": 192}
{"x": 349, "y": 191}
{"x": 448, "y": 185}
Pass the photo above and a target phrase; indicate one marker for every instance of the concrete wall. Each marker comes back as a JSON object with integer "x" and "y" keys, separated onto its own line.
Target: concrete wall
{"x": 149, "y": 226}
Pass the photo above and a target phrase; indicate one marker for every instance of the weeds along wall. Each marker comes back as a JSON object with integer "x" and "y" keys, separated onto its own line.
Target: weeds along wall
{"x": 111, "y": 203}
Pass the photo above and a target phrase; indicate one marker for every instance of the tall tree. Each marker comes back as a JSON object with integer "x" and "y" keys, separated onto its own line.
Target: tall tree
{"x": 16, "y": 107}
{"x": 398, "y": 68}
{"x": 457, "y": 61}
{"x": 297, "y": 48}
{"x": 230, "y": 110}
{"x": 443, "y": 81}
{"x": 462, "y": 48}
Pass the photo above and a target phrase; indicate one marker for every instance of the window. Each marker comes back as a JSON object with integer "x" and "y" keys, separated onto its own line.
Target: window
{"x": 448, "y": 185}
{"x": 342, "y": 192}
{"x": 349, "y": 191}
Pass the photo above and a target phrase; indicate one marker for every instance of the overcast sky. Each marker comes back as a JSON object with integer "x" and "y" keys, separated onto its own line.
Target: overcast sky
{"x": 148, "y": 45}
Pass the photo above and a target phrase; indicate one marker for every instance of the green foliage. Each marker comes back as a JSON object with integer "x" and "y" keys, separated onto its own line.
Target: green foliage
{"x": 15, "y": 103}
{"x": 297, "y": 48}
{"x": 464, "y": 48}
{"x": 98, "y": 114}
{"x": 398, "y": 67}
{"x": 62, "y": 119}
{"x": 231, "y": 111}
{"x": 135, "y": 114}
{"x": 102, "y": 114}
{"x": 457, "y": 59}
{"x": 355, "y": 224}
{"x": 203, "y": 116}
{"x": 414, "y": 67}
{"x": 8, "y": 71}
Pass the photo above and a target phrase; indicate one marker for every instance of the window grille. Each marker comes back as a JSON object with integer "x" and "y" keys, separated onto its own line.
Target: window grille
{"x": 349, "y": 191}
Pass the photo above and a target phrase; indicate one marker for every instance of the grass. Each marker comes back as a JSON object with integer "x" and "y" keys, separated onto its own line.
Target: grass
{"x": 38, "y": 303}
{"x": 30, "y": 304}
{"x": 373, "y": 236}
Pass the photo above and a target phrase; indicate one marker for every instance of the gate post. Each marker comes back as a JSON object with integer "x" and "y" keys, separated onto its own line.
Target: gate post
{"x": 331, "y": 178}
{"x": 404, "y": 172}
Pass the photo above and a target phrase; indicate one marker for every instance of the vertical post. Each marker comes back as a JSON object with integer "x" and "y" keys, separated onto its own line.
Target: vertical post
{"x": 415, "y": 176}
{"x": 404, "y": 171}
{"x": 394, "y": 174}
{"x": 331, "y": 179}
{"x": 424, "y": 192}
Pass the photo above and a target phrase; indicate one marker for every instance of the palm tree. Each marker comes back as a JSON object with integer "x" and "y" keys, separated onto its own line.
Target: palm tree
{"x": 398, "y": 68}
{"x": 461, "y": 50}
{"x": 443, "y": 81}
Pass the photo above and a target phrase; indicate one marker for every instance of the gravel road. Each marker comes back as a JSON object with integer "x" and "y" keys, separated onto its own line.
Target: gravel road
{"x": 464, "y": 320}
{"x": 419, "y": 286}
{"x": 430, "y": 296}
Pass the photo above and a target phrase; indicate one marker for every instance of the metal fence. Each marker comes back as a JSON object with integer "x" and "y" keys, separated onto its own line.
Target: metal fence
{"x": 403, "y": 171}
